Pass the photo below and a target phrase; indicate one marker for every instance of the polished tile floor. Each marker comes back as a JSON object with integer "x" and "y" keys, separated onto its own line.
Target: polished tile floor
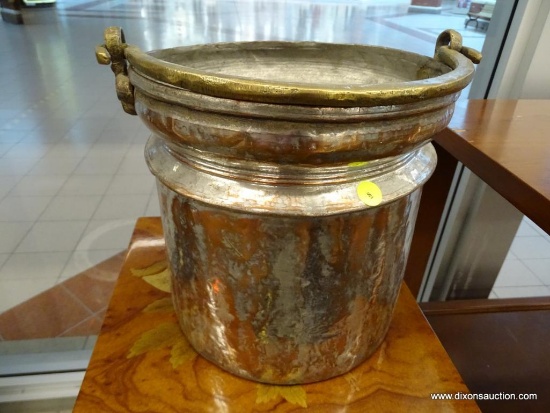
{"x": 72, "y": 174}
{"x": 526, "y": 270}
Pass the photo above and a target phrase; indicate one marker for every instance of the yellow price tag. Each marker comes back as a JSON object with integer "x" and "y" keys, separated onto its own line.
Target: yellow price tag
{"x": 369, "y": 193}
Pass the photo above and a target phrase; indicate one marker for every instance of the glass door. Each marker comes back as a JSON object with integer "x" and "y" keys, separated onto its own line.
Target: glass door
{"x": 489, "y": 249}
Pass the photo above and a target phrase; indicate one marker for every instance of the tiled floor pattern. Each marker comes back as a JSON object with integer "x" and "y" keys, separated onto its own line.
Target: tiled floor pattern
{"x": 74, "y": 307}
{"x": 526, "y": 270}
{"x": 72, "y": 174}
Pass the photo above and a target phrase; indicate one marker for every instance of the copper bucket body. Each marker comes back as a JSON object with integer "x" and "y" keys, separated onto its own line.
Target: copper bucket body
{"x": 278, "y": 297}
{"x": 286, "y": 299}
{"x": 288, "y": 207}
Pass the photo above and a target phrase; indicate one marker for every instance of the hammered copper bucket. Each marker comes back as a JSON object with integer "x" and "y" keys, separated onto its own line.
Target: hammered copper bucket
{"x": 289, "y": 177}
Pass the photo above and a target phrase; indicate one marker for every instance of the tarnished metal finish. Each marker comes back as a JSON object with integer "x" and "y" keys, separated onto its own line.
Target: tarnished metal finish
{"x": 286, "y": 276}
{"x": 301, "y": 73}
{"x": 306, "y": 73}
{"x": 285, "y": 299}
{"x": 285, "y": 189}
{"x": 289, "y": 176}
{"x": 303, "y": 139}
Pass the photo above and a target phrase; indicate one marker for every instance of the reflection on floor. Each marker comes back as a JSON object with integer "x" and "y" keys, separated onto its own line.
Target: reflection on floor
{"x": 526, "y": 270}
{"x": 75, "y": 307}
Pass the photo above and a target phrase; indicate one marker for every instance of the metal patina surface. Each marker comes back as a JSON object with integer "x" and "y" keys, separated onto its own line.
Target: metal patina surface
{"x": 286, "y": 299}
{"x": 289, "y": 176}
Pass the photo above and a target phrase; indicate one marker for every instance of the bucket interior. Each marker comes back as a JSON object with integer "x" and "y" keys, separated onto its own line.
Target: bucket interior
{"x": 330, "y": 65}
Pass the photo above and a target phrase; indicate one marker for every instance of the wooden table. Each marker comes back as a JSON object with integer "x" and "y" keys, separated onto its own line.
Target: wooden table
{"x": 142, "y": 362}
{"x": 497, "y": 345}
{"x": 506, "y": 143}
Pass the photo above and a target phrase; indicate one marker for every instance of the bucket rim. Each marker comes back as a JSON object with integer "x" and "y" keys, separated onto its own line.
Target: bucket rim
{"x": 209, "y": 83}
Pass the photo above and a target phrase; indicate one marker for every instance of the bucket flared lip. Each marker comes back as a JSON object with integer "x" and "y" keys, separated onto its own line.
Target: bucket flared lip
{"x": 315, "y": 197}
{"x": 220, "y": 85}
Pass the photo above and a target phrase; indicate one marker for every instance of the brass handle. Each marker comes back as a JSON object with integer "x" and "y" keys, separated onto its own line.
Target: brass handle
{"x": 119, "y": 55}
{"x": 451, "y": 39}
{"x": 112, "y": 52}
